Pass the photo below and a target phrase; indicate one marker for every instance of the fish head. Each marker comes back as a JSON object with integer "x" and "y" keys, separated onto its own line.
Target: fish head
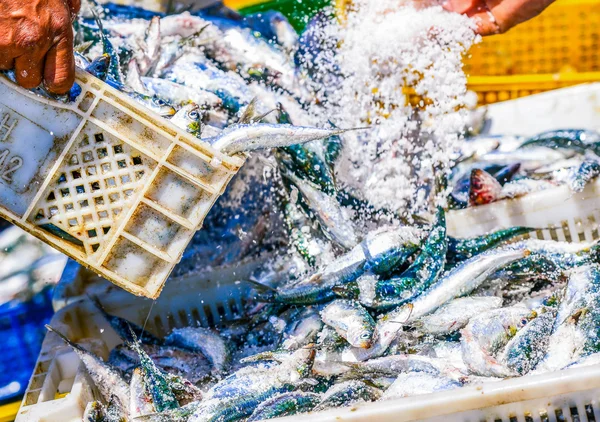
{"x": 160, "y": 106}
{"x": 361, "y": 337}
{"x": 484, "y": 188}
{"x": 99, "y": 66}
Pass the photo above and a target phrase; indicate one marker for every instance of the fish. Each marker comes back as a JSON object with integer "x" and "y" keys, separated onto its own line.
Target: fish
{"x": 141, "y": 403}
{"x": 114, "y": 68}
{"x": 351, "y": 321}
{"x": 459, "y": 281}
{"x": 529, "y": 345}
{"x": 249, "y": 137}
{"x": 347, "y": 393}
{"x": 285, "y": 404}
{"x": 302, "y": 330}
{"x": 94, "y": 412}
{"x": 582, "y": 175}
{"x": 379, "y": 250}
{"x": 417, "y": 383}
{"x": 188, "y": 118}
{"x": 578, "y": 140}
{"x": 484, "y": 188}
{"x": 575, "y": 330}
{"x": 456, "y": 314}
{"x": 155, "y": 381}
{"x": 180, "y": 94}
{"x": 108, "y": 380}
{"x": 202, "y": 340}
{"x": 422, "y": 273}
{"x": 486, "y": 334}
{"x": 461, "y": 249}
{"x": 393, "y": 365}
{"x": 99, "y": 67}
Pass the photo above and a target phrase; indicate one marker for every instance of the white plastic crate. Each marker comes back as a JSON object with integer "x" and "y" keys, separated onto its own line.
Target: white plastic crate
{"x": 59, "y": 388}
{"x": 125, "y": 188}
{"x": 558, "y": 213}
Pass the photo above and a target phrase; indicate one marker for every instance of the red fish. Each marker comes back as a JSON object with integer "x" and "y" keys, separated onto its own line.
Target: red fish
{"x": 484, "y": 188}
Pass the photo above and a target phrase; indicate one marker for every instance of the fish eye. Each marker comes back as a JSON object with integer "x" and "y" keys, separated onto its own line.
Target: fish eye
{"x": 524, "y": 321}
{"x": 365, "y": 336}
{"x": 159, "y": 102}
{"x": 194, "y": 115}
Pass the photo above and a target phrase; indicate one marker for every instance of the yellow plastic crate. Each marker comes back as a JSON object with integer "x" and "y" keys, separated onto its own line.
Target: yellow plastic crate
{"x": 564, "y": 38}
{"x": 557, "y": 49}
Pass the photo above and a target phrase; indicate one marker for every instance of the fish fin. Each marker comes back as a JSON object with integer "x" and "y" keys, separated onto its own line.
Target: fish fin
{"x": 262, "y": 116}
{"x": 83, "y": 47}
{"x": 484, "y": 188}
{"x": 265, "y": 293}
{"x": 66, "y": 339}
{"x": 249, "y": 112}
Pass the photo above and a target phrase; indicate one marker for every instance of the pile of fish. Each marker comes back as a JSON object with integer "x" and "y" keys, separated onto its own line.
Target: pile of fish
{"x": 491, "y": 169}
{"x": 359, "y": 304}
{"x": 406, "y": 312}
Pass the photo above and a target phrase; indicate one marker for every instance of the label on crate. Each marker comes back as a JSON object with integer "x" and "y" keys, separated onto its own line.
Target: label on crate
{"x": 32, "y": 137}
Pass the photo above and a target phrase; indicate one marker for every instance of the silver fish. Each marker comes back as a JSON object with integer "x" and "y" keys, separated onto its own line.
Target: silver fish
{"x": 486, "y": 334}
{"x": 418, "y": 383}
{"x": 188, "y": 118}
{"x": 456, "y": 314}
{"x": 107, "y": 379}
{"x": 202, "y": 340}
{"x": 180, "y": 94}
{"x": 460, "y": 281}
{"x": 250, "y": 137}
{"x": 351, "y": 321}
{"x": 332, "y": 217}
{"x": 529, "y": 345}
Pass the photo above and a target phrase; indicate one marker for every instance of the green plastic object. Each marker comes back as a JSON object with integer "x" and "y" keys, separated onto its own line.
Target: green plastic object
{"x": 299, "y": 12}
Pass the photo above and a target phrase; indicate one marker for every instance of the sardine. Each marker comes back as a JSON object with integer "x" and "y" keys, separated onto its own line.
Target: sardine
{"x": 347, "y": 393}
{"x": 106, "y": 378}
{"x": 456, "y": 314}
{"x": 351, "y": 321}
{"x": 202, "y": 340}
{"x": 486, "y": 334}
{"x": 285, "y": 404}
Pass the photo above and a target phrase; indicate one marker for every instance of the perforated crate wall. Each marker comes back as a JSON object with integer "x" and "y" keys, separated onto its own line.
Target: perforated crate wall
{"x": 106, "y": 181}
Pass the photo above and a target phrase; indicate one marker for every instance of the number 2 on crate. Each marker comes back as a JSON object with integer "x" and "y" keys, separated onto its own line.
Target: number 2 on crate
{"x": 8, "y": 164}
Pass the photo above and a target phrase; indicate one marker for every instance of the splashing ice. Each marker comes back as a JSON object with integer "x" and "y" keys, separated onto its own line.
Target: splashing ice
{"x": 384, "y": 47}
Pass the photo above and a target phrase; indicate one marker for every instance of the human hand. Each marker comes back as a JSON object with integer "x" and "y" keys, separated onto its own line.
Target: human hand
{"x": 36, "y": 40}
{"x": 497, "y": 16}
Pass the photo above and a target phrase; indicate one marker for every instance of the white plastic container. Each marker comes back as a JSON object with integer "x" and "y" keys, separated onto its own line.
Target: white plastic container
{"x": 124, "y": 188}
{"x": 59, "y": 388}
{"x": 558, "y": 213}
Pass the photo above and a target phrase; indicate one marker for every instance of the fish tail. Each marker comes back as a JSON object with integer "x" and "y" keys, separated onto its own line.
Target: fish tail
{"x": 265, "y": 293}
{"x": 249, "y": 112}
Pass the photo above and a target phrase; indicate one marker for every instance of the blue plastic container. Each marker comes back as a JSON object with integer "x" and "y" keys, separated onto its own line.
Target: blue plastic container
{"x": 21, "y": 334}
